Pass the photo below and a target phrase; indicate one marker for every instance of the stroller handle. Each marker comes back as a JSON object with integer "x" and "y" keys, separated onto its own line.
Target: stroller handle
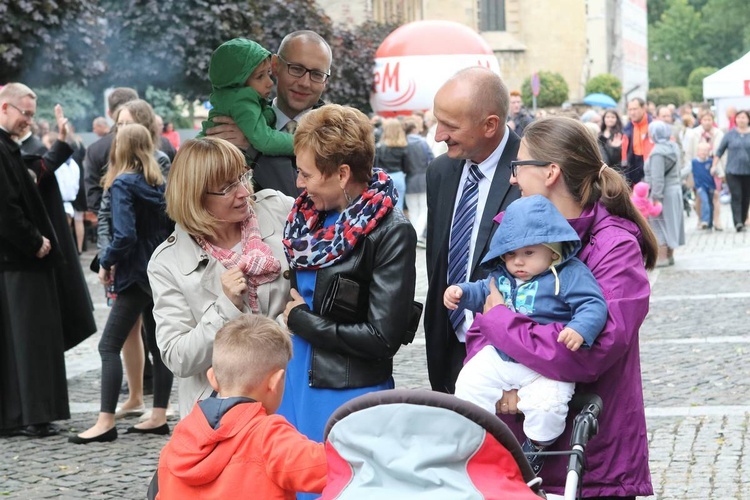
{"x": 585, "y": 426}
{"x": 586, "y": 402}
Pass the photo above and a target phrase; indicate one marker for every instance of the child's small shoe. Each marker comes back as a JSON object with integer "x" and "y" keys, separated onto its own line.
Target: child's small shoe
{"x": 532, "y": 455}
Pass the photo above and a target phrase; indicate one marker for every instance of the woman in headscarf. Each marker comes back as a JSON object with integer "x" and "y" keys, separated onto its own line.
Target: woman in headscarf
{"x": 662, "y": 174}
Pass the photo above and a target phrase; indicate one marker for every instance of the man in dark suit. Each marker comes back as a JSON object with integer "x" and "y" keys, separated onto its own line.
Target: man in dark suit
{"x": 471, "y": 110}
{"x": 97, "y": 155}
{"x": 301, "y": 67}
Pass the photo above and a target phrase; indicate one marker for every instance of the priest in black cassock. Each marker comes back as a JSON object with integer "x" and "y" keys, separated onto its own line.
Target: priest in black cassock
{"x": 33, "y": 386}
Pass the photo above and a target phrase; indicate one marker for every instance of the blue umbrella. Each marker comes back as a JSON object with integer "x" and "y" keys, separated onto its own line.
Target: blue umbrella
{"x": 602, "y": 100}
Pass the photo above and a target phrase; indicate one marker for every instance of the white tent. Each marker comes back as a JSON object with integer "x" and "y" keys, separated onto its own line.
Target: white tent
{"x": 730, "y": 86}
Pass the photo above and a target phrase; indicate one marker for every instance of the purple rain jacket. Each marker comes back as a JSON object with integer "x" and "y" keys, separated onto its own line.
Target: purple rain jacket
{"x": 618, "y": 455}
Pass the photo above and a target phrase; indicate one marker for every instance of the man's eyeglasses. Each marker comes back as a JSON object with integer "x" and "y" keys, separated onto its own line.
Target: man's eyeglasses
{"x": 298, "y": 71}
{"x": 26, "y": 114}
{"x": 520, "y": 163}
{"x": 245, "y": 180}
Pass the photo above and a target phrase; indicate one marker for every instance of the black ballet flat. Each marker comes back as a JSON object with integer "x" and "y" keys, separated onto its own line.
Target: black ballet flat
{"x": 105, "y": 437}
{"x": 162, "y": 430}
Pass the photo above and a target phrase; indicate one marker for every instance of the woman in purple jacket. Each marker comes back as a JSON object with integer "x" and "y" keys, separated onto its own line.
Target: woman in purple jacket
{"x": 559, "y": 159}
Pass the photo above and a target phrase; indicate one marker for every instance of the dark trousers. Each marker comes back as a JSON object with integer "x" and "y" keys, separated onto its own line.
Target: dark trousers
{"x": 455, "y": 353}
{"x": 130, "y": 303}
{"x": 739, "y": 188}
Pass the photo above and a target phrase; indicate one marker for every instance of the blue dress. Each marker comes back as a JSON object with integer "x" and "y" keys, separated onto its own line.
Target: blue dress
{"x": 308, "y": 408}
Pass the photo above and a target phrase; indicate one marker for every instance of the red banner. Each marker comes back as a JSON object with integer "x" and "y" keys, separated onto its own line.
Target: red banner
{"x": 747, "y": 87}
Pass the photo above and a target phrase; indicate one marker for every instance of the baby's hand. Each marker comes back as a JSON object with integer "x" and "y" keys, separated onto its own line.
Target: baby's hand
{"x": 570, "y": 338}
{"x": 452, "y": 296}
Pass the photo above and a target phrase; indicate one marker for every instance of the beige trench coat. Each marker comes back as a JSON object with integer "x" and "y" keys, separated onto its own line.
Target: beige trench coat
{"x": 190, "y": 306}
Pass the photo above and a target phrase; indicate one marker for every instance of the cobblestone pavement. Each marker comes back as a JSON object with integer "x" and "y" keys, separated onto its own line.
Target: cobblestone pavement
{"x": 694, "y": 344}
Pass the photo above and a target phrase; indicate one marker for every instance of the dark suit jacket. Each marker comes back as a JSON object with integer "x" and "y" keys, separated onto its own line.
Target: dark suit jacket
{"x": 443, "y": 177}
{"x": 275, "y": 172}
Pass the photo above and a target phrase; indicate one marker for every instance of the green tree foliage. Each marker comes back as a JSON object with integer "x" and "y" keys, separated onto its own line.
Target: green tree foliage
{"x": 695, "y": 81}
{"x": 606, "y": 83}
{"x": 669, "y": 95}
{"x": 677, "y": 44}
{"x": 688, "y": 34}
{"x": 353, "y": 63}
{"x": 167, "y": 44}
{"x": 164, "y": 43}
{"x": 47, "y": 42}
{"x": 77, "y": 103}
{"x": 656, "y": 8}
{"x": 553, "y": 90}
{"x": 171, "y": 107}
{"x": 727, "y": 23}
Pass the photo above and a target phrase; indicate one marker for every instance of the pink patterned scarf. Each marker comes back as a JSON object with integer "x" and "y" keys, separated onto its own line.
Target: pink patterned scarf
{"x": 256, "y": 261}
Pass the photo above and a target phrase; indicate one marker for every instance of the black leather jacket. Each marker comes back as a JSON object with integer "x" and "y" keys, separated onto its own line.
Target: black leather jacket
{"x": 361, "y": 354}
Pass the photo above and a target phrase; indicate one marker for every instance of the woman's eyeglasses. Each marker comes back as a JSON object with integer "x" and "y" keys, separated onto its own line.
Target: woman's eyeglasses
{"x": 298, "y": 71}
{"x": 520, "y": 163}
{"x": 245, "y": 180}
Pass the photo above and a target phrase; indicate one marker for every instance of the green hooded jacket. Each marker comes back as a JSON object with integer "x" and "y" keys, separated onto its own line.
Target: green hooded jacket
{"x": 231, "y": 65}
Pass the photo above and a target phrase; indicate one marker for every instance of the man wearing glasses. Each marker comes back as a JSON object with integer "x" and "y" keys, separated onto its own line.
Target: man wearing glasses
{"x": 466, "y": 188}
{"x": 33, "y": 387}
{"x": 302, "y": 68}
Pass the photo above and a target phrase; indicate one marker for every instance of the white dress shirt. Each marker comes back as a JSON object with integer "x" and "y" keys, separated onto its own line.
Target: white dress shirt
{"x": 487, "y": 167}
{"x": 281, "y": 118}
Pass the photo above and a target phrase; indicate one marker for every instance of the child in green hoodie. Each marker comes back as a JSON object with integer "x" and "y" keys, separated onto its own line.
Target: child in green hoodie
{"x": 240, "y": 73}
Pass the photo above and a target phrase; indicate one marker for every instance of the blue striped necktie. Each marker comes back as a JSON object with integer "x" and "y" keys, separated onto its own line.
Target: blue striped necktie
{"x": 458, "y": 249}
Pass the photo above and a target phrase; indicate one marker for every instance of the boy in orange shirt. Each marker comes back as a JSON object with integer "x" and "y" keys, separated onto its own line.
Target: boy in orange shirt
{"x": 232, "y": 445}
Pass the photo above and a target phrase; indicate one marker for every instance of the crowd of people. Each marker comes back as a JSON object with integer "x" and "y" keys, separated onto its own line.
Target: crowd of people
{"x": 296, "y": 216}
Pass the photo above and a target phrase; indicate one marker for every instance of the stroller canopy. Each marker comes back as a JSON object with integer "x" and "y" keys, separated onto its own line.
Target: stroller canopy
{"x": 415, "y": 444}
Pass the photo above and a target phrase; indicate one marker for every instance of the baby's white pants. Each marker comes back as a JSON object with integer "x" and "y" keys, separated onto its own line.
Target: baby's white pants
{"x": 543, "y": 401}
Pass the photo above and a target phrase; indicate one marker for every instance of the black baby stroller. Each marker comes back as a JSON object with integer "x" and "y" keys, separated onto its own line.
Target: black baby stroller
{"x": 417, "y": 444}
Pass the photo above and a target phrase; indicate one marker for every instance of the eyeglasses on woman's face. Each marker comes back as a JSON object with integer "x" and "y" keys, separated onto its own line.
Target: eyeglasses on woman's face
{"x": 245, "y": 181}
{"x": 522, "y": 163}
{"x": 298, "y": 71}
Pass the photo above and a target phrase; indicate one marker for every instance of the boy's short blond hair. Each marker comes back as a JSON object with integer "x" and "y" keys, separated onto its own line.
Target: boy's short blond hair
{"x": 247, "y": 349}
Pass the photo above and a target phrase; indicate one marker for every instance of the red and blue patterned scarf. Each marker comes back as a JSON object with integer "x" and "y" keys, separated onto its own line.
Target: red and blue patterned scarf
{"x": 309, "y": 245}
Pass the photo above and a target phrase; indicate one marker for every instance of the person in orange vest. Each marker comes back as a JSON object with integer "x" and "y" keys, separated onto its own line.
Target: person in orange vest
{"x": 636, "y": 144}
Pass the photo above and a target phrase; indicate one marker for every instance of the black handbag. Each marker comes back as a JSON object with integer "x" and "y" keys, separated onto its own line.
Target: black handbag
{"x": 94, "y": 266}
{"x": 346, "y": 301}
